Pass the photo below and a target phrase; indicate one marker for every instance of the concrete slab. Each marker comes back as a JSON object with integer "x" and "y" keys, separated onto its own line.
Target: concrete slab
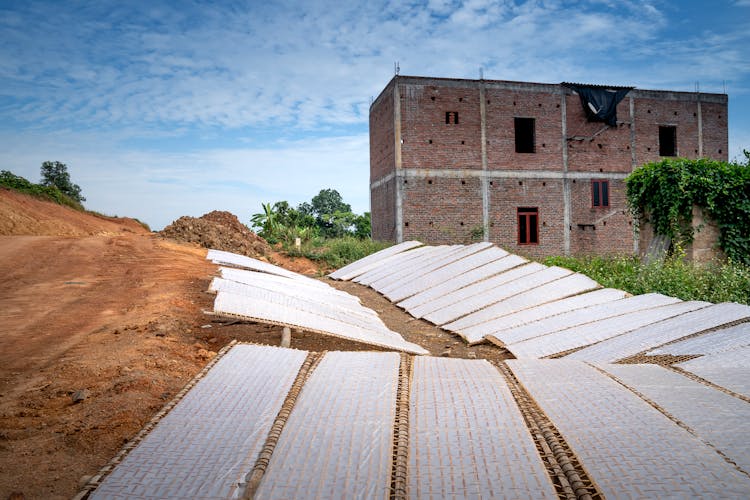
{"x": 446, "y": 272}
{"x": 211, "y": 439}
{"x": 714, "y": 342}
{"x": 337, "y": 442}
{"x": 582, "y": 316}
{"x": 591, "y": 333}
{"x": 656, "y": 334}
{"x": 727, "y": 369}
{"x": 467, "y": 438}
{"x": 630, "y": 449}
{"x": 364, "y": 264}
{"x": 502, "y": 292}
{"x": 480, "y": 287}
{"x": 715, "y": 417}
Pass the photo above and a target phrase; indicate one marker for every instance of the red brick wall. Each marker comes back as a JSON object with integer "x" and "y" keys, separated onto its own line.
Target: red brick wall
{"x": 507, "y": 195}
{"x": 502, "y": 107}
{"x": 612, "y": 232}
{"x": 428, "y": 142}
{"x": 382, "y": 145}
{"x": 650, "y": 113}
{"x": 715, "y": 137}
{"x": 434, "y": 212}
{"x": 383, "y": 211}
{"x": 594, "y": 146}
{"x": 442, "y": 210}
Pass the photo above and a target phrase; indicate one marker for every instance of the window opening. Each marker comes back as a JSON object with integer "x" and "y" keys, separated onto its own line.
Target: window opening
{"x": 524, "y": 135}
{"x": 451, "y": 117}
{"x": 600, "y": 193}
{"x": 528, "y": 225}
{"x": 667, "y": 141}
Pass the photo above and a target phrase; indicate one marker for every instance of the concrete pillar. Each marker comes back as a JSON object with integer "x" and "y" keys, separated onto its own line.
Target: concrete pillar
{"x": 565, "y": 180}
{"x": 633, "y": 166}
{"x": 397, "y": 156}
{"x": 631, "y": 105}
{"x": 484, "y": 180}
{"x": 700, "y": 128}
{"x": 286, "y": 337}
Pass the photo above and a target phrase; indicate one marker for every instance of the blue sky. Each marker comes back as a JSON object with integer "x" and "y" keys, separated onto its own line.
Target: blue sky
{"x": 164, "y": 109}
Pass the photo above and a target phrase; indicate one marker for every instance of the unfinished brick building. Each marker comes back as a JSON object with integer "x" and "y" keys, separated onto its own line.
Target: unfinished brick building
{"x": 525, "y": 165}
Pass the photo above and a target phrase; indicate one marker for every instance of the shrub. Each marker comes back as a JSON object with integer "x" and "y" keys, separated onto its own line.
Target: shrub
{"x": 717, "y": 282}
{"x": 667, "y": 190}
{"x": 337, "y": 252}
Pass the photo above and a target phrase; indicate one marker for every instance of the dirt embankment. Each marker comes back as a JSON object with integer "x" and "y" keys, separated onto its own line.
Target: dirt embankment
{"x": 95, "y": 305}
{"x": 24, "y": 215}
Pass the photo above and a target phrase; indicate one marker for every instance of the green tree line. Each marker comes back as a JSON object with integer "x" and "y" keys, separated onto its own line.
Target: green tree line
{"x": 325, "y": 216}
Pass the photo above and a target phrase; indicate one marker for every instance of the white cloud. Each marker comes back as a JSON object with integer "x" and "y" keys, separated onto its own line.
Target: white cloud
{"x": 274, "y": 98}
{"x": 158, "y": 187}
{"x": 229, "y": 69}
{"x": 309, "y": 64}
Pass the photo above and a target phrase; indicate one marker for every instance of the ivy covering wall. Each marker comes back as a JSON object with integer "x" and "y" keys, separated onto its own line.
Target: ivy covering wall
{"x": 667, "y": 191}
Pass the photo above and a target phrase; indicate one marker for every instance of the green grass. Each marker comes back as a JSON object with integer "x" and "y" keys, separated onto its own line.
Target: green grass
{"x": 337, "y": 252}
{"x": 718, "y": 282}
{"x": 48, "y": 193}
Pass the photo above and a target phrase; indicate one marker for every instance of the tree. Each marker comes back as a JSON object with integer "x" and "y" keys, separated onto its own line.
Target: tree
{"x": 328, "y": 202}
{"x": 266, "y": 222}
{"x": 292, "y": 217}
{"x": 362, "y": 227}
{"x": 56, "y": 174}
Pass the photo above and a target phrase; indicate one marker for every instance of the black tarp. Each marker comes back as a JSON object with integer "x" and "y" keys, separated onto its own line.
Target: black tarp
{"x": 600, "y": 103}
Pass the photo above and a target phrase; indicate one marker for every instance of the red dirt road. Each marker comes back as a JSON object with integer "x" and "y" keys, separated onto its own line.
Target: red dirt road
{"x": 112, "y": 315}
{"x": 88, "y": 303}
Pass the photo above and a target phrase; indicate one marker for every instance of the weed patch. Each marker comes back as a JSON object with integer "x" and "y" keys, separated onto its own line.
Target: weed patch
{"x": 717, "y": 282}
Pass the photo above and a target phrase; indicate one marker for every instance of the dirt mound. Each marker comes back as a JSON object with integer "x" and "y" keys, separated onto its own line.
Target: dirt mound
{"x": 25, "y": 215}
{"x": 218, "y": 230}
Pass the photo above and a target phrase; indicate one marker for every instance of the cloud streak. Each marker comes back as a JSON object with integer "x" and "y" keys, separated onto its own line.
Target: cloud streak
{"x": 170, "y": 91}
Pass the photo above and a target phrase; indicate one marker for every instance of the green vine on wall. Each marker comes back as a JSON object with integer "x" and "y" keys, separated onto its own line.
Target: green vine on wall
{"x": 667, "y": 191}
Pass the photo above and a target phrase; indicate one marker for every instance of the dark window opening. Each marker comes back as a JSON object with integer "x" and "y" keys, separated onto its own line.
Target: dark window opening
{"x": 524, "y": 135}
{"x": 451, "y": 117}
{"x": 667, "y": 141}
{"x": 528, "y": 225}
{"x": 600, "y": 193}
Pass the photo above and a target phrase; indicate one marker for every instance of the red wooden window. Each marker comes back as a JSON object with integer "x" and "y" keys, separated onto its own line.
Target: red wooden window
{"x": 451, "y": 117}
{"x": 600, "y": 193}
{"x": 528, "y": 226}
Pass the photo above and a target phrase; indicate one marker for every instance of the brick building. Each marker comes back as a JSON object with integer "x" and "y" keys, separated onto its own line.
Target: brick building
{"x": 521, "y": 164}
